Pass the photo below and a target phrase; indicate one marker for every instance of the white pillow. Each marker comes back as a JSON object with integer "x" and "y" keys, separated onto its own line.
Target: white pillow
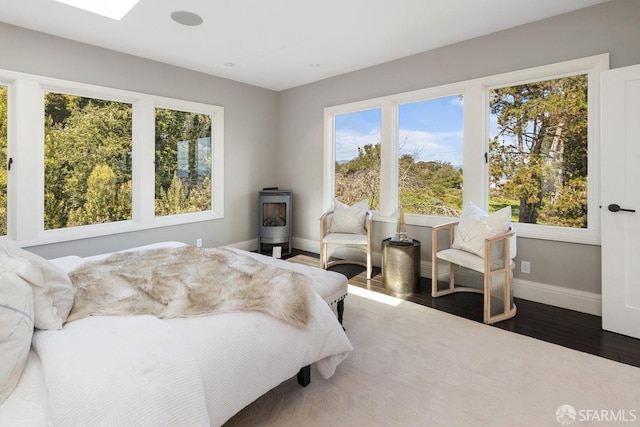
{"x": 53, "y": 292}
{"x": 16, "y": 329}
{"x": 349, "y": 219}
{"x": 476, "y": 225}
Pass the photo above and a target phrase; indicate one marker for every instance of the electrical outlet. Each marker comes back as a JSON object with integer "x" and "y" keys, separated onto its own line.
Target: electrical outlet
{"x": 525, "y": 267}
{"x": 199, "y": 243}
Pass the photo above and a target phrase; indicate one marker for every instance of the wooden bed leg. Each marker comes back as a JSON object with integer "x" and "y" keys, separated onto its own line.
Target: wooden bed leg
{"x": 340, "y": 309}
{"x": 304, "y": 376}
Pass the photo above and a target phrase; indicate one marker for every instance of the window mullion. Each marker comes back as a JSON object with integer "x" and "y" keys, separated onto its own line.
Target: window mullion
{"x": 27, "y": 172}
{"x": 218, "y": 162}
{"x": 388, "y": 159}
{"x": 475, "y": 146}
{"x": 143, "y": 171}
{"x": 329, "y": 160}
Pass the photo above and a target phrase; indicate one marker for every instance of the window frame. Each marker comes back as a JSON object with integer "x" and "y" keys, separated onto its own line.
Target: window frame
{"x": 475, "y": 144}
{"x": 25, "y": 185}
{"x": 217, "y": 166}
{"x": 9, "y": 220}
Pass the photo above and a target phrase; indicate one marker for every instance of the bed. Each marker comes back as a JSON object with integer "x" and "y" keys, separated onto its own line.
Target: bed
{"x": 141, "y": 370}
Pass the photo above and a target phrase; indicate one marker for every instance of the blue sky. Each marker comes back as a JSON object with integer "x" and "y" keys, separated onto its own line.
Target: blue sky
{"x": 429, "y": 130}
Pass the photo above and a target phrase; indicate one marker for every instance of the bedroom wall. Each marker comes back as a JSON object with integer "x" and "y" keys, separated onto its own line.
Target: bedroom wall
{"x": 250, "y": 129}
{"x": 610, "y": 27}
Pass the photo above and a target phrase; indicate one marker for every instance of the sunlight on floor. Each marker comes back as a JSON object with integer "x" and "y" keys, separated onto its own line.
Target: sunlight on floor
{"x": 374, "y": 296}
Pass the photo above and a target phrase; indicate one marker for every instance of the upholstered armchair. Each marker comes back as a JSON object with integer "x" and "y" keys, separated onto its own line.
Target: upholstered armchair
{"x": 346, "y": 232}
{"x": 482, "y": 243}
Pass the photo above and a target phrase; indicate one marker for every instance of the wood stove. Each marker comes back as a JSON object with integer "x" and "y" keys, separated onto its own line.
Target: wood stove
{"x": 274, "y": 211}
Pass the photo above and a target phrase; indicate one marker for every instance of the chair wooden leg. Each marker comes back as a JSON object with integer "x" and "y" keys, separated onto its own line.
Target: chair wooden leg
{"x": 487, "y": 298}
{"x": 323, "y": 260}
{"x": 509, "y": 309}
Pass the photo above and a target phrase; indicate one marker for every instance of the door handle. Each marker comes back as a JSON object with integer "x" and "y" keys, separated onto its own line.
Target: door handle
{"x": 615, "y": 208}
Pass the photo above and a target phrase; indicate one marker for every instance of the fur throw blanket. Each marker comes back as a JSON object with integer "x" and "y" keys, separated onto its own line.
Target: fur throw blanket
{"x": 189, "y": 281}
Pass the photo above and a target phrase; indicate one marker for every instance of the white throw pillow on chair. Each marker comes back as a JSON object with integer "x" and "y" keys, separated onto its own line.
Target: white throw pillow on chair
{"x": 475, "y": 225}
{"x": 349, "y": 219}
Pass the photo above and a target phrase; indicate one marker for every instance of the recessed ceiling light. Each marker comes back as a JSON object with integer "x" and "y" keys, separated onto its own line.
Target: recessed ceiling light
{"x": 186, "y": 18}
{"x": 229, "y": 64}
{"x": 314, "y": 65}
{"x": 114, "y": 9}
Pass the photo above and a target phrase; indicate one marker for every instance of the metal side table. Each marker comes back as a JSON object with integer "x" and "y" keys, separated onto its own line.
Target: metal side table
{"x": 401, "y": 266}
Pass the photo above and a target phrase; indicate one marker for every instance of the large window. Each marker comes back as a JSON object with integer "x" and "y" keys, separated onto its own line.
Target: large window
{"x": 357, "y": 148}
{"x": 430, "y": 156}
{"x": 183, "y": 162}
{"x": 87, "y": 174}
{"x": 539, "y": 151}
{"x": 528, "y": 139}
{"x": 91, "y": 161}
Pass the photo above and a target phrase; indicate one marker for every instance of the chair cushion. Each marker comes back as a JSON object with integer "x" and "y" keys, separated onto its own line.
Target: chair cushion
{"x": 349, "y": 219}
{"x": 464, "y": 258}
{"x": 476, "y": 225}
{"x": 345, "y": 239}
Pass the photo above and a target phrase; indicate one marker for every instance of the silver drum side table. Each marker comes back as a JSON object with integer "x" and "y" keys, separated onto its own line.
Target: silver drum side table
{"x": 401, "y": 266}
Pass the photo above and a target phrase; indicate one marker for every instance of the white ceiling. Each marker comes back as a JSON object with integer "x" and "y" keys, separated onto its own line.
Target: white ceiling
{"x": 272, "y": 43}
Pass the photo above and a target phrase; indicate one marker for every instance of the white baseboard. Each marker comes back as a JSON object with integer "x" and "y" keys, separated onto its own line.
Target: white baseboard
{"x": 557, "y": 296}
{"x": 572, "y": 299}
{"x": 247, "y": 245}
{"x": 306, "y": 244}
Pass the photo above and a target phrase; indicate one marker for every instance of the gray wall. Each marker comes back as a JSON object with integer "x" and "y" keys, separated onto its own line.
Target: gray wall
{"x": 610, "y": 27}
{"x": 250, "y": 129}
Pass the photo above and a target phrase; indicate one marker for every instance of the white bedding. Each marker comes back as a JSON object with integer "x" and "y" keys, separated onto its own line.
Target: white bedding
{"x": 107, "y": 371}
{"x": 144, "y": 371}
{"x": 28, "y": 405}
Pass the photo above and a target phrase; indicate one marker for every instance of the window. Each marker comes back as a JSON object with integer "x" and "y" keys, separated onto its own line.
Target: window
{"x": 538, "y": 149}
{"x": 528, "y": 139}
{"x": 87, "y": 174}
{"x": 183, "y": 162}
{"x": 3, "y": 160}
{"x": 85, "y": 161}
{"x": 357, "y": 157}
{"x": 430, "y": 153}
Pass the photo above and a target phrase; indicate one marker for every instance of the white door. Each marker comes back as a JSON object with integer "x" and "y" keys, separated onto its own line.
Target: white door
{"x": 620, "y": 200}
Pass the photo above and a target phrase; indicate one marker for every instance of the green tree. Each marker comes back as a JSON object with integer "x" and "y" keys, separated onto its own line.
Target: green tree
{"x": 359, "y": 178}
{"x": 540, "y": 152}
{"x": 435, "y": 187}
{"x": 105, "y": 200}
{"x": 426, "y": 188}
{"x": 174, "y": 200}
{"x": 80, "y": 135}
{"x": 177, "y": 132}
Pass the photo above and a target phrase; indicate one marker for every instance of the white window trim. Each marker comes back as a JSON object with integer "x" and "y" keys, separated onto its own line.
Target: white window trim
{"x": 475, "y": 142}
{"x": 25, "y": 140}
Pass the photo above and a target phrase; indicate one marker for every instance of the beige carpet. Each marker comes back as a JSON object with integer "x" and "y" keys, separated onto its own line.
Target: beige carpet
{"x": 415, "y": 366}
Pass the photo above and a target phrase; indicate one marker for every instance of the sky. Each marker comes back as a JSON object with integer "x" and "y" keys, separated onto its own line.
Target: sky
{"x": 428, "y": 130}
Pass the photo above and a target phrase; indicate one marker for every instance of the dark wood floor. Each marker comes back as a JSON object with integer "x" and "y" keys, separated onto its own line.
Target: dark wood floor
{"x": 567, "y": 328}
